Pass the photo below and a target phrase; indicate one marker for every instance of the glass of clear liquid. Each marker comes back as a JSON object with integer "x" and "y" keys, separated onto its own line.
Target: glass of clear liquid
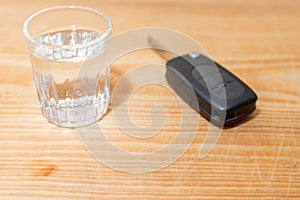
{"x": 68, "y": 47}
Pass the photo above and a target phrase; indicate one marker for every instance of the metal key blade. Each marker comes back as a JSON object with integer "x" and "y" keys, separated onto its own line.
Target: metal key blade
{"x": 160, "y": 49}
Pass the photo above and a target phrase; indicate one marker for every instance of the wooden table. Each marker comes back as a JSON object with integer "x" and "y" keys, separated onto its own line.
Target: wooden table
{"x": 259, "y": 159}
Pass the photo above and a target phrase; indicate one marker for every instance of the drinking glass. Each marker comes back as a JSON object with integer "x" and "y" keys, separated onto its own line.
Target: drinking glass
{"x": 68, "y": 47}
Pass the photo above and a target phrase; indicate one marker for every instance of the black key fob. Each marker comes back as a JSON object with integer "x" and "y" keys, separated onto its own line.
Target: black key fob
{"x": 210, "y": 89}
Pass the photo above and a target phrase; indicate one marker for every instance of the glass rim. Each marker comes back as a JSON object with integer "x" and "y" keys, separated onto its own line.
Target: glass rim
{"x": 93, "y": 10}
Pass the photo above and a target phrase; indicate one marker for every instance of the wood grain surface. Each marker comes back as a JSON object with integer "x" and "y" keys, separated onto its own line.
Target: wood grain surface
{"x": 258, "y": 159}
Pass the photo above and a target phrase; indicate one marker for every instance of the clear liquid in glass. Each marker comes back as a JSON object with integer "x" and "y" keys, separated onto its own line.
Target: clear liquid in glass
{"x": 72, "y": 83}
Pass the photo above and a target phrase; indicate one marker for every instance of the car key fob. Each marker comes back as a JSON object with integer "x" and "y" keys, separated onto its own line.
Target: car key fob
{"x": 210, "y": 89}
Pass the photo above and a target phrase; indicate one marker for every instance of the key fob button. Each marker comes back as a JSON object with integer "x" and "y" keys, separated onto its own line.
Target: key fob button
{"x": 228, "y": 90}
{"x": 211, "y": 81}
{"x": 203, "y": 70}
